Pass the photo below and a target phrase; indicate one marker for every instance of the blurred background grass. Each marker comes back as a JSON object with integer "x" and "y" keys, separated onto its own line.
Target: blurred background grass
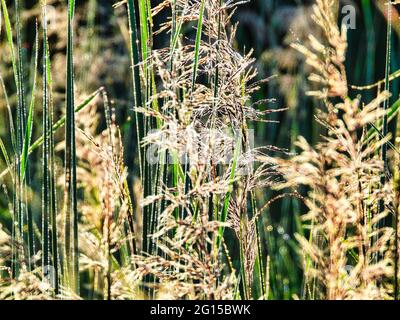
{"x": 268, "y": 27}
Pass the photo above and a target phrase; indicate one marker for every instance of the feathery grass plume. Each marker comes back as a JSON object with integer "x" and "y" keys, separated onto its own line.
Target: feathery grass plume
{"x": 204, "y": 133}
{"x": 106, "y": 243}
{"x": 343, "y": 175}
{"x": 28, "y": 286}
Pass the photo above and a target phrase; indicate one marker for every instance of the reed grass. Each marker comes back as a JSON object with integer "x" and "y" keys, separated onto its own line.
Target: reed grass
{"x": 71, "y": 250}
{"x": 233, "y": 221}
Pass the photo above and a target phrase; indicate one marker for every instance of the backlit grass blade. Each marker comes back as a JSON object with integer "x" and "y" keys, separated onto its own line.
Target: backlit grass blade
{"x": 384, "y": 156}
{"x": 391, "y": 114}
{"x": 242, "y": 258}
{"x": 10, "y": 116}
{"x": 216, "y": 79}
{"x": 259, "y": 255}
{"x": 146, "y": 167}
{"x": 6, "y": 157}
{"x": 387, "y": 86}
{"x": 197, "y": 43}
{"x": 144, "y": 33}
{"x": 134, "y": 51}
{"x": 59, "y": 124}
{"x": 177, "y": 33}
{"x": 71, "y": 258}
{"x": 21, "y": 110}
{"x": 19, "y": 207}
{"x": 10, "y": 39}
{"x": 46, "y": 257}
{"x": 29, "y": 124}
{"x": 49, "y": 207}
{"x": 389, "y": 143}
{"x": 139, "y": 122}
{"x": 225, "y": 208}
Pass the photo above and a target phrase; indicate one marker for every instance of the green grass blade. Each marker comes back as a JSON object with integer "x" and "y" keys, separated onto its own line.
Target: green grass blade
{"x": 392, "y": 113}
{"x": 144, "y": 33}
{"x": 259, "y": 255}
{"x": 10, "y": 116}
{"x": 134, "y": 51}
{"x": 49, "y": 207}
{"x": 177, "y": 32}
{"x": 29, "y": 125}
{"x": 389, "y": 143}
{"x": 6, "y": 158}
{"x": 139, "y": 121}
{"x": 59, "y": 124}
{"x": 146, "y": 167}
{"x": 216, "y": 79}
{"x": 21, "y": 111}
{"x": 70, "y": 192}
{"x": 197, "y": 43}
{"x": 224, "y": 213}
{"x": 10, "y": 39}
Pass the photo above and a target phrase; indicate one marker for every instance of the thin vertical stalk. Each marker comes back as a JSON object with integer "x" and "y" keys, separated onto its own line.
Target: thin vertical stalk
{"x": 49, "y": 207}
{"x": 145, "y": 42}
{"x": 18, "y": 194}
{"x": 144, "y": 33}
{"x": 197, "y": 43}
{"x": 138, "y": 102}
{"x": 396, "y": 183}
{"x": 224, "y": 213}
{"x": 27, "y": 139}
{"x": 25, "y": 150}
{"x": 259, "y": 248}
{"x": 216, "y": 79}
{"x": 383, "y": 178}
{"x": 134, "y": 52}
{"x": 387, "y": 87}
{"x": 71, "y": 259}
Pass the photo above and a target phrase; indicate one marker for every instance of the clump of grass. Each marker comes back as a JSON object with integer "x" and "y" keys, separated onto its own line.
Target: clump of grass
{"x": 183, "y": 220}
{"x": 203, "y": 120}
{"x": 343, "y": 175}
{"x": 26, "y": 234}
{"x": 71, "y": 251}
